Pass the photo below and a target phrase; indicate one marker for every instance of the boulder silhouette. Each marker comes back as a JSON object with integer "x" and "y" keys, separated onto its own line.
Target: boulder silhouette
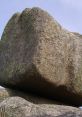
{"x": 39, "y": 56}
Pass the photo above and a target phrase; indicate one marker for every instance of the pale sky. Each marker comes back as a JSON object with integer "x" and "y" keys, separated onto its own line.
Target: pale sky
{"x": 67, "y": 12}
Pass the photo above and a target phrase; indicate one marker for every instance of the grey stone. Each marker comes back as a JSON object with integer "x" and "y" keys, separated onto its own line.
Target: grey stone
{"x": 19, "y": 107}
{"x": 39, "y": 56}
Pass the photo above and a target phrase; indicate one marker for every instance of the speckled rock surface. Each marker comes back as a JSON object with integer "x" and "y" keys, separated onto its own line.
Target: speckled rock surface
{"x": 19, "y": 107}
{"x": 38, "y": 55}
{"x": 3, "y": 94}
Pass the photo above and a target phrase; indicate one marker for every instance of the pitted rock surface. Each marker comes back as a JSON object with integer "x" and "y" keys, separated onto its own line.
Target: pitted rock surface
{"x": 39, "y": 56}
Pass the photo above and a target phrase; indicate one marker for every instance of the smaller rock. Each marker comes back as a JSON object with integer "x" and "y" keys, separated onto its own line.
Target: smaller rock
{"x": 3, "y": 94}
{"x": 19, "y": 107}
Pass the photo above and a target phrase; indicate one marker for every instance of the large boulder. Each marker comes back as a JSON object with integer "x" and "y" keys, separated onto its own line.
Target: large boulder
{"x": 19, "y": 107}
{"x": 39, "y": 56}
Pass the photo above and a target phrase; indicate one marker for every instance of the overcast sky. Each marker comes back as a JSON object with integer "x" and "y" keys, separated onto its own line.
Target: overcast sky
{"x": 67, "y": 12}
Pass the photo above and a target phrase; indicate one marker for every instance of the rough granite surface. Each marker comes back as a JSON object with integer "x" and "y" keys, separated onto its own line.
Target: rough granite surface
{"x": 38, "y": 55}
{"x": 19, "y": 107}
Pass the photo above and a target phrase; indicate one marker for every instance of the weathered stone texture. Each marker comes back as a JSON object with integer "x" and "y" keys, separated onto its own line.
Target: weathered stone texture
{"x": 38, "y": 55}
{"x": 18, "y": 107}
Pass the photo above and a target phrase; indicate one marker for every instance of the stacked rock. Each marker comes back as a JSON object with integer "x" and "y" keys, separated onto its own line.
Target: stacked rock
{"x": 40, "y": 57}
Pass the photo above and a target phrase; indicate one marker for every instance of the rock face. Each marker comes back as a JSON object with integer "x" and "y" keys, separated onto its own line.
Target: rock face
{"x": 39, "y": 56}
{"x": 18, "y": 107}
